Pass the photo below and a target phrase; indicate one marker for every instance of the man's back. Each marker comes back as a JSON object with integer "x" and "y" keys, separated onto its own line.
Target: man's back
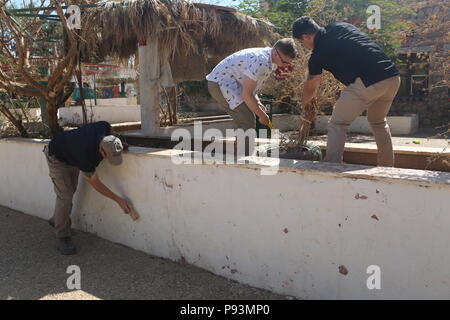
{"x": 348, "y": 53}
{"x": 79, "y": 147}
{"x": 254, "y": 63}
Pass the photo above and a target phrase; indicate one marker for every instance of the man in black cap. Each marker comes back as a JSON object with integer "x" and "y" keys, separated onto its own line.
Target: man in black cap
{"x": 371, "y": 78}
{"x": 69, "y": 153}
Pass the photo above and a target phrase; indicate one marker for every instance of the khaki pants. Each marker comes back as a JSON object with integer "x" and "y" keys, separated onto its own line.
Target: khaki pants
{"x": 377, "y": 100}
{"x": 241, "y": 115}
{"x": 65, "y": 181}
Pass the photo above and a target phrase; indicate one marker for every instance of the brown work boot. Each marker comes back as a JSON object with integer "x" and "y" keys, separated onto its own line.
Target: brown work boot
{"x": 65, "y": 246}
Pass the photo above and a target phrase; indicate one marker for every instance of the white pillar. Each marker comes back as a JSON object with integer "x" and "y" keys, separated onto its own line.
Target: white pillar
{"x": 149, "y": 94}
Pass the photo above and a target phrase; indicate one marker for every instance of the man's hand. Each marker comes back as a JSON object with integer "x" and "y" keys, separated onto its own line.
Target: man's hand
{"x": 124, "y": 205}
{"x": 95, "y": 182}
{"x": 263, "y": 118}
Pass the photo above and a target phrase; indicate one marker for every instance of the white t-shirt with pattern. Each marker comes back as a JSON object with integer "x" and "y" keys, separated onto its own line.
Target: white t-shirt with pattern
{"x": 255, "y": 63}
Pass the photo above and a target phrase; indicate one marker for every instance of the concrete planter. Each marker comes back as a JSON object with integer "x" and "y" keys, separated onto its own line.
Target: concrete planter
{"x": 312, "y": 230}
{"x": 401, "y": 125}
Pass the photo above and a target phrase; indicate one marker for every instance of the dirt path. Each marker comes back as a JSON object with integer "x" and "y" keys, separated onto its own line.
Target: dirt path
{"x": 31, "y": 268}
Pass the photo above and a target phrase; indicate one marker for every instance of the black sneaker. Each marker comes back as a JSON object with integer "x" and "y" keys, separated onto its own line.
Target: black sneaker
{"x": 65, "y": 246}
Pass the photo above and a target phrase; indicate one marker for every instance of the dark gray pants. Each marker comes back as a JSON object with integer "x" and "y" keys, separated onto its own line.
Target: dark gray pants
{"x": 65, "y": 181}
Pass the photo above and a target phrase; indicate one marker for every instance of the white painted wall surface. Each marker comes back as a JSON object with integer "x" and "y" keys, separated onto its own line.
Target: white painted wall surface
{"x": 113, "y": 102}
{"x": 287, "y": 233}
{"x": 112, "y": 114}
{"x": 399, "y": 125}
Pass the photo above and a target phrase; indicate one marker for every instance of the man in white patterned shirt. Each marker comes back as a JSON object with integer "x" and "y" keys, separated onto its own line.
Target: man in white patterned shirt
{"x": 237, "y": 79}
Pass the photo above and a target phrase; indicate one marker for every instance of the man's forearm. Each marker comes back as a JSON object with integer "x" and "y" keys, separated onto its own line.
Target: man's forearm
{"x": 252, "y": 101}
{"x": 253, "y": 104}
{"x": 309, "y": 90}
{"x": 102, "y": 189}
{"x": 257, "y": 99}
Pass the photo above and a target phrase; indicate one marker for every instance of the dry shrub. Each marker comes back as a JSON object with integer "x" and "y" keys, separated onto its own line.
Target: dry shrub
{"x": 290, "y": 91}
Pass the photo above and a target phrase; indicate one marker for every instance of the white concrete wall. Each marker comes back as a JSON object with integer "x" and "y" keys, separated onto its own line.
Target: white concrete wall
{"x": 402, "y": 125}
{"x": 110, "y": 113}
{"x": 287, "y": 233}
{"x": 130, "y": 101}
{"x": 399, "y": 125}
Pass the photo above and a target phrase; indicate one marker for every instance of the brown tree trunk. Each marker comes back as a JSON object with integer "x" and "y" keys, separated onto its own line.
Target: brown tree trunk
{"x": 80, "y": 86}
{"x": 174, "y": 104}
{"x": 52, "y": 111}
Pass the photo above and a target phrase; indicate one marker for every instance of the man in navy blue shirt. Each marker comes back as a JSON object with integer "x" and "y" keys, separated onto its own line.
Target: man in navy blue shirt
{"x": 69, "y": 153}
{"x": 370, "y": 77}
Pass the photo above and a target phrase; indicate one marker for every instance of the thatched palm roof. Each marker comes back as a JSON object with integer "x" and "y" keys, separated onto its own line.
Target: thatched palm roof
{"x": 190, "y": 34}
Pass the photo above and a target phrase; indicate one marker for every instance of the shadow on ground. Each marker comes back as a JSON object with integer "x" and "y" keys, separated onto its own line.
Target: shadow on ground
{"x": 31, "y": 268}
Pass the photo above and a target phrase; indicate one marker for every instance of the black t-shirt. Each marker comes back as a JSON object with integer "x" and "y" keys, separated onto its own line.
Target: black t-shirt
{"x": 79, "y": 147}
{"x": 348, "y": 53}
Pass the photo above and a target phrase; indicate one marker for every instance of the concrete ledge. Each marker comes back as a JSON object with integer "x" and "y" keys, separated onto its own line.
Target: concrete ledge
{"x": 372, "y": 148}
{"x": 119, "y": 113}
{"x": 282, "y": 122}
{"x": 405, "y": 156}
{"x": 290, "y": 232}
{"x": 402, "y": 125}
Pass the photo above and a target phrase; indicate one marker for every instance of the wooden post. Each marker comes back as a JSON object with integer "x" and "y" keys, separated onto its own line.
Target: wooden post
{"x": 149, "y": 93}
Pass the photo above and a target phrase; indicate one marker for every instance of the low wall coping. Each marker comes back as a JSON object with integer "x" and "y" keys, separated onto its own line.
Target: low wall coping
{"x": 423, "y": 178}
{"x": 371, "y": 148}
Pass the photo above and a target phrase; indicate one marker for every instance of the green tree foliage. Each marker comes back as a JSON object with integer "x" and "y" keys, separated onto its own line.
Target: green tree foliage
{"x": 396, "y": 19}
{"x": 395, "y": 16}
{"x": 282, "y": 13}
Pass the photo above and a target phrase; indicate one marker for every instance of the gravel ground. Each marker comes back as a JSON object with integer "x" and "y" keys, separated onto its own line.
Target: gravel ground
{"x": 31, "y": 268}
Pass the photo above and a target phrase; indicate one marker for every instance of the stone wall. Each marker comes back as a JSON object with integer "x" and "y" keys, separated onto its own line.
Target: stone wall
{"x": 430, "y": 38}
{"x": 433, "y": 110}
